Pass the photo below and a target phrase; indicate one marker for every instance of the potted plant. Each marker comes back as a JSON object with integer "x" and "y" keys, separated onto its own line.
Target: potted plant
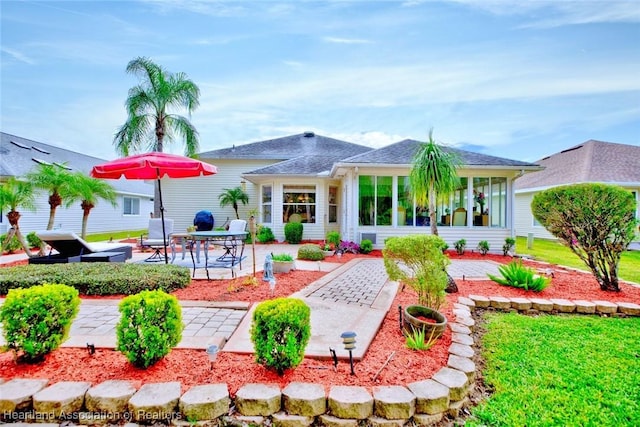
{"x": 418, "y": 261}
{"x": 328, "y": 249}
{"x": 282, "y": 263}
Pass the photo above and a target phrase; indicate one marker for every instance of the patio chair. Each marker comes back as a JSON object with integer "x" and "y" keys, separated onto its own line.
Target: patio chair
{"x": 154, "y": 239}
{"x": 72, "y": 248}
{"x": 460, "y": 217}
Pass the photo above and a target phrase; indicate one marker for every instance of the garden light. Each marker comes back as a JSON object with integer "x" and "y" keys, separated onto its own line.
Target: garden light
{"x": 212, "y": 352}
{"x": 349, "y": 341}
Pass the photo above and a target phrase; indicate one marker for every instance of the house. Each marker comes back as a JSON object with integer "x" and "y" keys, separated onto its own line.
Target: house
{"x": 592, "y": 161}
{"x": 359, "y": 191}
{"x": 18, "y": 156}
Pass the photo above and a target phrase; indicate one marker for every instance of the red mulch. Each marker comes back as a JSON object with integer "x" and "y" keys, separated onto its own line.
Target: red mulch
{"x": 191, "y": 367}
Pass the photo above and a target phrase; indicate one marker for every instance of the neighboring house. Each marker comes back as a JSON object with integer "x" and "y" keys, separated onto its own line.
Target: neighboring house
{"x": 18, "y": 156}
{"x": 361, "y": 192}
{"x": 592, "y": 161}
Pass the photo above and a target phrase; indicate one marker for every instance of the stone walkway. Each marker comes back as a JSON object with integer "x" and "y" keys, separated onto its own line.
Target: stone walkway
{"x": 355, "y": 296}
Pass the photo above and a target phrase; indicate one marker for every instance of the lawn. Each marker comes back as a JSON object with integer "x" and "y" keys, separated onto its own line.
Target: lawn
{"x": 115, "y": 235}
{"x": 556, "y": 253}
{"x": 560, "y": 370}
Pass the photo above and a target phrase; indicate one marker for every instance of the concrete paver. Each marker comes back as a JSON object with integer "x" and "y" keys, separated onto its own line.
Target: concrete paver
{"x": 351, "y": 297}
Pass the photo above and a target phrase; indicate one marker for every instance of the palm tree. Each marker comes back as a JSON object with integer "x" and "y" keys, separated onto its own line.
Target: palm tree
{"x": 433, "y": 174}
{"x": 15, "y": 194}
{"x": 231, "y": 196}
{"x": 55, "y": 179}
{"x": 149, "y": 120}
{"x": 89, "y": 190}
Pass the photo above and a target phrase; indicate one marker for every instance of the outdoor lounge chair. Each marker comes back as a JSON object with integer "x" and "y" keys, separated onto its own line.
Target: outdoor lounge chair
{"x": 72, "y": 248}
{"x": 154, "y": 239}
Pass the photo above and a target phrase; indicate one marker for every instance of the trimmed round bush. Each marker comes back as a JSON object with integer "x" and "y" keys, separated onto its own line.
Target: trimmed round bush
{"x": 280, "y": 332}
{"x": 293, "y": 232}
{"x": 265, "y": 235}
{"x": 366, "y": 246}
{"x": 37, "y": 320}
{"x": 33, "y": 240}
{"x": 150, "y": 326}
{"x": 310, "y": 252}
{"x": 12, "y": 245}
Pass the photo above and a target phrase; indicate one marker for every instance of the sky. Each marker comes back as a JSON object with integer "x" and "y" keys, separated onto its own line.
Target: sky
{"x": 516, "y": 79}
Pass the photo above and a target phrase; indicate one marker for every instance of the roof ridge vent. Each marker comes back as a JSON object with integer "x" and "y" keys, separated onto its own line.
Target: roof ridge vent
{"x": 308, "y": 134}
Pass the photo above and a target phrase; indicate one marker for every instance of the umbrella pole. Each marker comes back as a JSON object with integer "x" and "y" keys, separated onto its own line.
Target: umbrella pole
{"x": 164, "y": 233}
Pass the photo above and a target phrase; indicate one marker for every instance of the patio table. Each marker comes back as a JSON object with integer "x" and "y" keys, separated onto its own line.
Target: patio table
{"x": 231, "y": 242}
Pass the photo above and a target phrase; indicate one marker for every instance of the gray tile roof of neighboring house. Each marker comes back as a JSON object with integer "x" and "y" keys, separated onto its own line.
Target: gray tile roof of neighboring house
{"x": 591, "y": 161}
{"x": 288, "y": 147}
{"x": 401, "y": 153}
{"x": 19, "y": 156}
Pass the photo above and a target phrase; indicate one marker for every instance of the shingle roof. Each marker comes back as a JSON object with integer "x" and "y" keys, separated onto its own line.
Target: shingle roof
{"x": 288, "y": 147}
{"x": 401, "y": 153}
{"x": 591, "y": 161}
{"x": 18, "y": 156}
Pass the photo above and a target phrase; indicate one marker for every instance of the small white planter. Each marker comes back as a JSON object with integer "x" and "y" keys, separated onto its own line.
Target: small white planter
{"x": 282, "y": 266}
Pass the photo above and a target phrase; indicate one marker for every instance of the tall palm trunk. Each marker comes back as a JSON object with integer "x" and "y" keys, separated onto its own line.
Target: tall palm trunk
{"x": 14, "y": 217}
{"x": 54, "y": 201}
{"x": 86, "y": 209}
{"x": 432, "y": 210}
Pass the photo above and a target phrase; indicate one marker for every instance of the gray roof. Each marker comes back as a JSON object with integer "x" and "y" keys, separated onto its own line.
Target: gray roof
{"x": 591, "y": 161}
{"x": 287, "y": 147}
{"x": 19, "y": 156}
{"x": 301, "y": 154}
{"x": 401, "y": 153}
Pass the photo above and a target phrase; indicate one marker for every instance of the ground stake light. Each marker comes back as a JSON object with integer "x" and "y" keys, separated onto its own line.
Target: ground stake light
{"x": 349, "y": 341}
{"x": 212, "y": 352}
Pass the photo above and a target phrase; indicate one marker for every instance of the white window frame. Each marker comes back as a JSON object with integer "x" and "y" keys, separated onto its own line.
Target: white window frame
{"x": 132, "y": 202}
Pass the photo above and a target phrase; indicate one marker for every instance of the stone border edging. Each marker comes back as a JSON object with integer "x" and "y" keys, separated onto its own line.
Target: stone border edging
{"x": 425, "y": 402}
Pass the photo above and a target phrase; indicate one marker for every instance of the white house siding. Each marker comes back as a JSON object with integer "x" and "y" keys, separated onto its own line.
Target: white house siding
{"x": 103, "y": 217}
{"x": 184, "y": 197}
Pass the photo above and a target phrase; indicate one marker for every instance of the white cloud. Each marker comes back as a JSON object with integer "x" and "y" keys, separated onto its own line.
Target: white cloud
{"x": 18, "y": 55}
{"x": 340, "y": 40}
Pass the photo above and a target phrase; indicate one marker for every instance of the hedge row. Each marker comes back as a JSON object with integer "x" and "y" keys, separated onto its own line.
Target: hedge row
{"x": 97, "y": 278}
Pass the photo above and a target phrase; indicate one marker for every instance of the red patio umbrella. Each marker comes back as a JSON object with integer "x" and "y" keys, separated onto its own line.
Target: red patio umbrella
{"x": 154, "y": 165}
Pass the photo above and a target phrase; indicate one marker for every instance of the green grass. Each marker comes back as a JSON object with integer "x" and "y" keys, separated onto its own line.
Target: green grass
{"x": 116, "y": 235}
{"x": 556, "y": 253}
{"x": 561, "y": 371}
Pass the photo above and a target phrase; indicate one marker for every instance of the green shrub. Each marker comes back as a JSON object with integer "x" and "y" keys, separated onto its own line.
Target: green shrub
{"x": 509, "y": 244}
{"x": 265, "y": 234}
{"x": 366, "y": 246}
{"x": 416, "y": 339}
{"x": 293, "y": 232}
{"x": 98, "y": 278}
{"x": 150, "y": 326}
{"x": 333, "y": 238}
{"x": 310, "y": 252}
{"x": 12, "y": 245}
{"x": 418, "y": 261}
{"x": 445, "y": 246}
{"x": 282, "y": 257}
{"x": 460, "y": 246}
{"x": 280, "y": 332}
{"x": 519, "y": 276}
{"x": 33, "y": 240}
{"x": 595, "y": 221}
{"x": 37, "y": 320}
{"x": 483, "y": 247}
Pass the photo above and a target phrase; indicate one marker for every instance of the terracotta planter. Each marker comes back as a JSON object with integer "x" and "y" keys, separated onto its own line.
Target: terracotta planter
{"x": 282, "y": 266}
{"x": 413, "y": 313}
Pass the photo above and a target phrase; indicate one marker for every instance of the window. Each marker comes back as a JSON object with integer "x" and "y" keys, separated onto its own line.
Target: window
{"x": 405, "y": 202}
{"x": 266, "y": 204}
{"x": 130, "y": 205}
{"x": 375, "y": 194}
{"x": 490, "y": 202}
{"x": 299, "y": 200}
{"x": 333, "y": 204}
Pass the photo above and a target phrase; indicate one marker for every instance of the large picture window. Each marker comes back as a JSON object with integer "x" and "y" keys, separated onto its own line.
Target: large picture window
{"x": 267, "y": 204}
{"x": 130, "y": 206}
{"x": 299, "y": 200}
{"x": 375, "y": 200}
